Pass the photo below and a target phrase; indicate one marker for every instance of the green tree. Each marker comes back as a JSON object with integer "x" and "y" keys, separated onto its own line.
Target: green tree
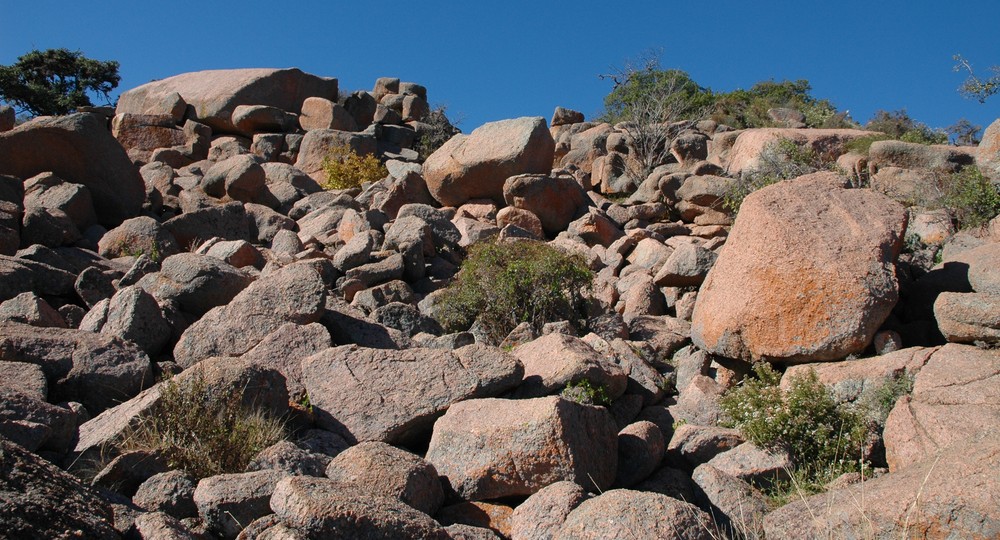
{"x": 748, "y": 108}
{"x": 56, "y": 81}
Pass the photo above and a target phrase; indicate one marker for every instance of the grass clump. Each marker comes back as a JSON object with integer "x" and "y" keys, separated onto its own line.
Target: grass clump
{"x": 782, "y": 159}
{"x": 586, "y": 392}
{"x": 345, "y": 169}
{"x": 202, "y": 432}
{"x": 504, "y": 284}
{"x": 824, "y": 439}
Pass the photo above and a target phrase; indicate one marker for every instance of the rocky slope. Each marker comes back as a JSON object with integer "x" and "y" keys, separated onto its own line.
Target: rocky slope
{"x": 187, "y": 233}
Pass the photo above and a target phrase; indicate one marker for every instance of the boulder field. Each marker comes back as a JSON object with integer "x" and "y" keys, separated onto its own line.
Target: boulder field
{"x": 187, "y": 234}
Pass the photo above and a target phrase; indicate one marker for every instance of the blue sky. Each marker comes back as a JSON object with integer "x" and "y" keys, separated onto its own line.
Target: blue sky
{"x": 493, "y": 60}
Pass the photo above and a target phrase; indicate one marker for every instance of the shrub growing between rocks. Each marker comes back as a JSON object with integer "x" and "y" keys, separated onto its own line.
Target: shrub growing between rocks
{"x": 504, "y": 284}
{"x": 970, "y": 198}
{"x": 201, "y": 433}
{"x": 345, "y": 169}
{"x": 824, "y": 439}
{"x": 780, "y": 160}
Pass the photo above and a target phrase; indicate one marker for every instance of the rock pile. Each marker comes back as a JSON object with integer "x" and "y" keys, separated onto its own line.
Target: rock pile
{"x": 188, "y": 234}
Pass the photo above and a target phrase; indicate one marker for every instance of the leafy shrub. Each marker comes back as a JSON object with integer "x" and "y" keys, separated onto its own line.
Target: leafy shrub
{"x": 970, "y": 198}
{"x": 201, "y": 433}
{"x": 748, "y": 108}
{"x": 504, "y": 284}
{"x": 900, "y": 126}
{"x": 824, "y": 438}
{"x": 345, "y": 169}
{"x": 583, "y": 391}
{"x": 878, "y": 401}
{"x": 437, "y": 131}
{"x": 779, "y": 160}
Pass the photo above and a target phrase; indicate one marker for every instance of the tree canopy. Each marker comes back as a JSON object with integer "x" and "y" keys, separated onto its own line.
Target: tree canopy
{"x": 56, "y": 81}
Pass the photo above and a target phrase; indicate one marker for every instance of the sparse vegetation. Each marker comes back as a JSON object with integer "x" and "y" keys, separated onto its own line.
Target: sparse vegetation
{"x": 823, "y": 438}
{"x": 900, "y": 126}
{"x": 974, "y": 87}
{"x": 438, "y": 130}
{"x": 345, "y": 169}
{"x": 203, "y": 433}
{"x": 878, "y": 401}
{"x": 504, "y": 284}
{"x": 780, "y": 160}
{"x": 586, "y": 392}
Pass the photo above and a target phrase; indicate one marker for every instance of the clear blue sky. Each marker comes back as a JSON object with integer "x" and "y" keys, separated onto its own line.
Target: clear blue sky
{"x": 493, "y": 60}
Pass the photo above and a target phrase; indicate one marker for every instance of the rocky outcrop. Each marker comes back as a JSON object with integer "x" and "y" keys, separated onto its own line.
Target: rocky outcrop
{"x": 213, "y": 95}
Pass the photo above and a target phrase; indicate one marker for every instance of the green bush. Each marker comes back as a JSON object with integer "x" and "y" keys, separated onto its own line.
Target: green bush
{"x": 201, "y": 433}
{"x": 900, "y": 126}
{"x": 970, "y": 198}
{"x": 748, "y": 108}
{"x": 779, "y": 160}
{"x": 862, "y": 145}
{"x": 824, "y": 438}
{"x": 345, "y": 169}
{"x": 583, "y": 391}
{"x": 504, "y": 284}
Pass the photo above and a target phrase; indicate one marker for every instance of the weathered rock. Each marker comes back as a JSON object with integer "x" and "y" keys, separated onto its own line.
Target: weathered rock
{"x": 816, "y": 288}
{"x": 955, "y": 396}
{"x": 640, "y": 450}
{"x": 556, "y": 199}
{"x": 321, "y": 113}
{"x": 541, "y": 515}
{"x": 29, "y": 308}
{"x": 197, "y": 283}
{"x": 249, "y": 119}
{"x": 48, "y": 191}
{"x": 555, "y": 360}
{"x": 35, "y": 424}
{"x": 287, "y": 457}
{"x": 240, "y": 178}
{"x": 215, "y": 94}
{"x": 8, "y": 118}
{"x": 380, "y": 469}
{"x": 620, "y": 513}
{"x": 752, "y": 464}
{"x": 161, "y": 526}
{"x": 169, "y": 492}
{"x": 850, "y": 379}
{"x": 692, "y": 444}
{"x": 41, "y": 501}
{"x": 489, "y": 516}
{"x": 284, "y": 349}
{"x": 28, "y": 379}
{"x": 228, "y": 501}
{"x": 968, "y": 317}
{"x": 323, "y": 508}
{"x": 475, "y": 166}
{"x": 18, "y": 275}
{"x": 988, "y": 153}
{"x": 294, "y": 294}
{"x": 698, "y": 402}
{"x": 238, "y": 253}
{"x": 227, "y": 221}
{"x": 79, "y": 149}
{"x": 317, "y": 143}
{"x": 141, "y": 235}
{"x": 357, "y": 392}
{"x": 666, "y": 334}
{"x": 687, "y": 265}
{"x": 951, "y": 495}
{"x": 94, "y": 369}
{"x": 128, "y": 470}
{"x": 736, "y": 506}
{"x": 133, "y": 315}
{"x": 521, "y": 446}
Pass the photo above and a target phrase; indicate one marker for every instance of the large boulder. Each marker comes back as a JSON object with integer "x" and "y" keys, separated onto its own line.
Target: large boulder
{"x": 37, "y": 500}
{"x": 807, "y": 273}
{"x": 475, "y": 166}
{"x": 79, "y": 149}
{"x": 215, "y": 94}
{"x": 294, "y": 294}
{"x": 955, "y": 396}
{"x": 381, "y": 469}
{"x": 197, "y": 283}
{"x": 395, "y": 396}
{"x": 493, "y": 448}
{"x": 988, "y": 153}
{"x": 950, "y": 495}
{"x": 941, "y": 158}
